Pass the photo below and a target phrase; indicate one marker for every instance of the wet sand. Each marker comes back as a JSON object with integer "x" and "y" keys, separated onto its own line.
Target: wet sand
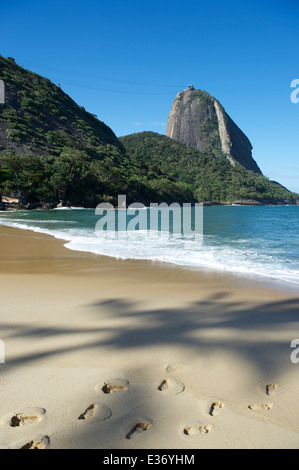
{"x": 111, "y": 354}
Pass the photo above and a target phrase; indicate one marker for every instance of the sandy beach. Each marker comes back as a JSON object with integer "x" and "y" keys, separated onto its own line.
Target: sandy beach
{"x": 118, "y": 354}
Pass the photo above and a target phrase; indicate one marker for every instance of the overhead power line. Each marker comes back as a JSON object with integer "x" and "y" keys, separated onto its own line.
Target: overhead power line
{"x": 95, "y": 87}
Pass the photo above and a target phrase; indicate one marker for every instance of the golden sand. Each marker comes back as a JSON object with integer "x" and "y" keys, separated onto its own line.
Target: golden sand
{"x": 72, "y": 322}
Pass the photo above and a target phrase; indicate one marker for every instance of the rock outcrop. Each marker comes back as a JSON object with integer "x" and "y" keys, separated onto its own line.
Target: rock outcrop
{"x": 198, "y": 120}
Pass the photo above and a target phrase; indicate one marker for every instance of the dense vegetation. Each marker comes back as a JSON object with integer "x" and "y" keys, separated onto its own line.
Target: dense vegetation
{"x": 163, "y": 160}
{"x": 51, "y": 149}
{"x": 43, "y": 119}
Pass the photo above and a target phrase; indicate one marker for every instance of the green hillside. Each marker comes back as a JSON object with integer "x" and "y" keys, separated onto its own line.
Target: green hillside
{"x": 40, "y": 118}
{"x": 51, "y": 149}
{"x": 162, "y": 160}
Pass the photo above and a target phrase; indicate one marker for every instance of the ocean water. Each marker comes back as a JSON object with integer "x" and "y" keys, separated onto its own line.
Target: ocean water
{"x": 258, "y": 241}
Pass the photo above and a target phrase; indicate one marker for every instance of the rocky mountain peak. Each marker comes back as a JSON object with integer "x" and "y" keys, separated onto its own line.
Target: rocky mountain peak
{"x": 198, "y": 120}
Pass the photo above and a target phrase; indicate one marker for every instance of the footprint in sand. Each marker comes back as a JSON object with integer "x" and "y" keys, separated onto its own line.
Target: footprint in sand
{"x": 117, "y": 385}
{"x": 139, "y": 428}
{"x": 27, "y": 416}
{"x": 197, "y": 429}
{"x": 171, "y": 387}
{"x": 175, "y": 367}
{"x": 39, "y": 442}
{"x": 262, "y": 406}
{"x": 271, "y": 389}
{"x": 216, "y": 407}
{"x": 98, "y": 412}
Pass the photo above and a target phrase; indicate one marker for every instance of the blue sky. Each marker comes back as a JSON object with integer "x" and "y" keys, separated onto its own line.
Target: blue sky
{"x": 125, "y": 61}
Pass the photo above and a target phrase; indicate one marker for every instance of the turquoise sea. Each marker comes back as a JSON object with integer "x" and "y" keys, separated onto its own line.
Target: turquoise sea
{"x": 249, "y": 240}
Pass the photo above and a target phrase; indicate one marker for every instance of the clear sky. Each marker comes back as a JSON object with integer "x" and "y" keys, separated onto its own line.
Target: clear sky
{"x": 125, "y": 61}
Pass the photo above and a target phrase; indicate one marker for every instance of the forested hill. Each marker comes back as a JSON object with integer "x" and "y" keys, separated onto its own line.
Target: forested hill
{"x": 53, "y": 150}
{"x": 39, "y": 118}
{"x": 162, "y": 160}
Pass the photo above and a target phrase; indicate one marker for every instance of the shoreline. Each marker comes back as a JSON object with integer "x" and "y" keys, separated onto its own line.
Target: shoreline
{"x": 72, "y": 321}
{"x": 15, "y": 206}
{"x": 255, "y": 280}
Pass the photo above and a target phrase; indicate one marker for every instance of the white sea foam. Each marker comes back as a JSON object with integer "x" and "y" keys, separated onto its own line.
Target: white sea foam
{"x": 186, "y": 254}
{"x": 67, "y": 208}
{"x": 210, "y": 255}
{"x": 62, "y": 209}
